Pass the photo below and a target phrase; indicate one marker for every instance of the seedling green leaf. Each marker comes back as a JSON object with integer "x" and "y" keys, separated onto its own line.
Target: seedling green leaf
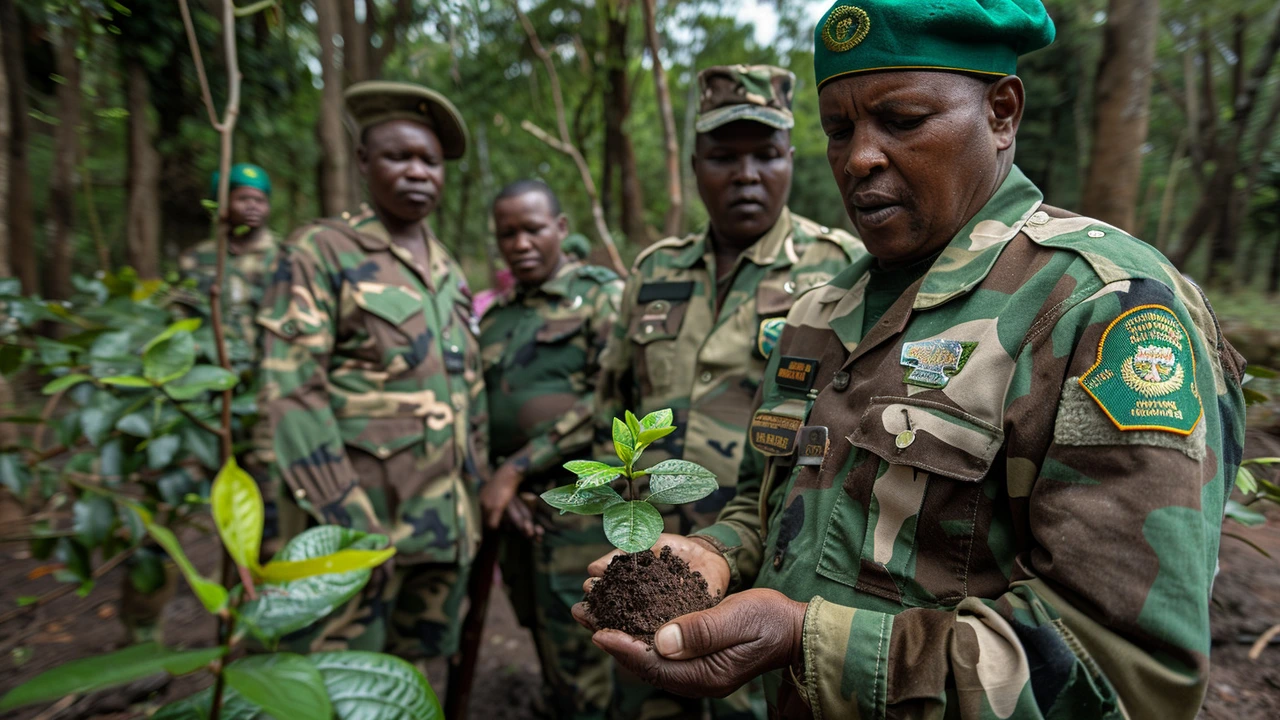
{"x": 583, "y": 468}
{"x": 657, "y": 419}
{"x": 632, "y": 526}
{"x": 239, "y": 514}
{"x": 601, "y": 478}
{"x": 623, "y": 442}
{"x": 110, "y": 670}
{"x": 677, "y": 489}
{"x": 283, "y": 684}
{"x": 582, "y": 501}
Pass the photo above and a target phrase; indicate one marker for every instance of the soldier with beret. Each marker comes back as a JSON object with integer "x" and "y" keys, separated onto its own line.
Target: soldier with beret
{"x": 701, "y": 313}
{"x": 997, "y": 449}
{"x": 372, "y": 382}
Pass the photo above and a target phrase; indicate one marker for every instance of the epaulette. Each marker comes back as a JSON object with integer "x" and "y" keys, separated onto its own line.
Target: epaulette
{"x": 597, "y": 273}
{"x": 851, "y": 245}
{"x": 1112, "y": 253}
{"x": 671, "y": 242}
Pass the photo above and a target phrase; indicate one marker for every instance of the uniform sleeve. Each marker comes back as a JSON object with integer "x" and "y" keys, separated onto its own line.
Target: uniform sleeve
{"x": 477, "y": 459}
{"x": 299, "y": 318}
{"x": 615, "y": 389}
{"x": 573, "y": 433}
{"x": 1108, "y": 614}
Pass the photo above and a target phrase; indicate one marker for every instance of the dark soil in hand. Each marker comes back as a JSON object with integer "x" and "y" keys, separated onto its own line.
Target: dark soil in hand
{"x": 640, "y": 593}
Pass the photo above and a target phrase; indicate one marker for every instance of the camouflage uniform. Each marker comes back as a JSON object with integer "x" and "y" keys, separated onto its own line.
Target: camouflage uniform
{"x": 248, "y": 269}
{"x": 1004, "y": 499}
{"x": 372, "y": 386}
{"x": 541, "y": 351}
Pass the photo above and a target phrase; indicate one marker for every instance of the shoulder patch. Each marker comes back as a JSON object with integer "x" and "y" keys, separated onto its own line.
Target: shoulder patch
{"x": 598, "y": 273}
{"x": 768, "y": 335}
{"x": 1145, "y": 375}
{"x": 847, "y": 242}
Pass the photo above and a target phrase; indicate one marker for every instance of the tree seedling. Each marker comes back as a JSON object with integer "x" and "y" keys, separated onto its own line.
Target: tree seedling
{"x": 631, "y": 524}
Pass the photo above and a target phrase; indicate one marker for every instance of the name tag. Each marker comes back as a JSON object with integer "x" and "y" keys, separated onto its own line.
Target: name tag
{"x": 454, "y": 361}
{"x": 665, "y": 291}
{"x": 796, "y": 373}
{"x": 774, "y": 434}
{"x": 813, "y": 444}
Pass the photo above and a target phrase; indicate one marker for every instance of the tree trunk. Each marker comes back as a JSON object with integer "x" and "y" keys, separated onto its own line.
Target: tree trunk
{"x": 355, "y": 43}
{"x": 1273, "y": 282}
{"x": 1165, "y": 221}
{"x": 142, "y": 233}
{"x": 66, "y": 143}
{"x": 675, "y": 196}
{"x": 617, "y": 108}
{"x": 1122, "y": 104}
{"x": 335, "y": 155}
{"x": 21, "y": 246}
{"x": 6, "y": 270}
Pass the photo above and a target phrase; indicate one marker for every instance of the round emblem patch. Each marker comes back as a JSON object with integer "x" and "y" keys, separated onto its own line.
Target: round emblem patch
{"x": 845, "y": 27}
{"x": 1144, "y": 378}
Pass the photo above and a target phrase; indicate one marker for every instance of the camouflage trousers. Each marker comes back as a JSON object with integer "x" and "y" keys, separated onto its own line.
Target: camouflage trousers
{"x": 544, "y": 580}
{"x": 634, "y": 700}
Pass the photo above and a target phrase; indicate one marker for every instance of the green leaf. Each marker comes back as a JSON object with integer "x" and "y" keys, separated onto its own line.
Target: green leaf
{"x": 374, "y": 686}
{"x": 11, "y": 358}
{"x": 11, "y": 286}
{"x": 648, "y": 437}
{"x": 1243, "y": 515}
{"x": 657, "y": 419}
{"x": 623, "y": 442}
{"x": 685, "y": 489}
{"x": 339, "y": 562}
{"x": 1245, "y": 481}
{"x": 111, "y": 461}
{"x": 200, "y": 380}
{"x": 65, "y": 382}
{"x": 284, "y": 607}
{"x": 161, "y": 451}
{"x": 239, "y": 513}
{"x": 283, "y": 684}
{"x": 199, "y": 706}
{"x": 1261, "y": 461}
{"x": 212, "y": 595}
{"x": 582, "y": 501}
{"x": 1261, "y": 371}
{"x": 601, "y": 478}
{"x": 105, "y": 671}
{"x": 94, "y": 517}
{"x": 129, "y": 381}
{"x": 679, "y": 467}
{"x": 146, "y": 570}
{"x": 98, "y": 420}
{"x": 632, "y": 526}
{"x": 633, "y": 424}
{"x": 189, "y": 325}
{"x": 169, "y": 359}
{"x": 587, "y": 467}
{"x": 1253, "y": 397}
{"x": 136, "y": 424}
{"x": 14, "y": 474}
{"x": 202, "y": 444}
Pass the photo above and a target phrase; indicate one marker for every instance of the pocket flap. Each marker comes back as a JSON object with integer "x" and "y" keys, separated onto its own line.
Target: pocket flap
{"x": 657, "y": 320}
{"x": 381, "y": 437}
{"x": 930, "y": 436}
{"x": 392, "y": 303}
{"x": 554, "y": 331}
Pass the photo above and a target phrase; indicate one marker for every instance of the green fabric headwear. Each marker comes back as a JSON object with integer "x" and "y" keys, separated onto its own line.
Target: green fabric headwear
{"x": 243, "y": 175}
{"x": 977, "y": 36}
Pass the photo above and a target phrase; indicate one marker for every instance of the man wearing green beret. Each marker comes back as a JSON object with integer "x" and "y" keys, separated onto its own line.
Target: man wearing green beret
{"x": 251, "y": 254}
{"x": 997, "y": 451}
{"x": 700, "y": 313}
{"x": 372, "y": 382}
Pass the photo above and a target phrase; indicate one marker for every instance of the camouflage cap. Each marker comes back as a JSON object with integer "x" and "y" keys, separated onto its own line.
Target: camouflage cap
{"x": 745, "y": 92}
{"x": 376, "y": 101}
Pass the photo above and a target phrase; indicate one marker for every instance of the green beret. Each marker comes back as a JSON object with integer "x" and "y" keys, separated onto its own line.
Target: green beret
{"x": 243, "y": 175}
{"x": 977, "y": 36}
{"x": 376, "y": 101}
{"x": 576, "y": 244}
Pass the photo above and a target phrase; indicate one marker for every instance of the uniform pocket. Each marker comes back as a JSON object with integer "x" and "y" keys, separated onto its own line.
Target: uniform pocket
{"x": 558, "y": 331}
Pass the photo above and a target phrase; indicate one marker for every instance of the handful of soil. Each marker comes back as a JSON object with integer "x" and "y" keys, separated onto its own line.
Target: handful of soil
{"x": 641, "y": 592}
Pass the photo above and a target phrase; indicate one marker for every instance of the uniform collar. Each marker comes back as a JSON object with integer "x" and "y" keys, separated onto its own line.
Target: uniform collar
{"x": 557, "y": 285}
{"x": 261, "y": 243}
{"x": 373, "y": 237}
{"x": 969, "y": 256}
{"x": 778, "y": 240}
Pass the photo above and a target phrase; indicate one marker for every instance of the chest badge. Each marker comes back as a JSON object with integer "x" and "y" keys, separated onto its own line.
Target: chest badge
{"x": 796, "y": 373}
{"x": 774, "y": 434}
{"x": 932, "y": 363}
{"x": 813, "y": 444}
{"x": 767, "y": 337}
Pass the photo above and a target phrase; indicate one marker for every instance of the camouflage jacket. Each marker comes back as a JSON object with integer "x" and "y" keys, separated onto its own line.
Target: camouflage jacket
{"x": 248, "y": 271}
{"x": 670, "y": 348}
{"x": 1006, "y": 499}
{"x": 368, "y": 351}
{"x": 541, "y": 351}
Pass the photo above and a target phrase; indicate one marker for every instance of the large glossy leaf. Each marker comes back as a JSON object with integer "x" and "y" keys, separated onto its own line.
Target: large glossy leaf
{"x": 110, "y": 670}
{"x": 188, "y": 325}
{"x": 137, "y": 424}
{"x": 202, "y": 444}
{"x": 285, "y": 685}
{"x": 582, "y": 501}
{"x": 587, "y": 467}
{"x": 657, "y": 419}
{"x": 679, "y": 467}
{"x": 687, "y": 490}
{"x": 238, "y": 512}
{"x": 601, "y": 478}
{"x": 212, "y": 595}
{"x": 632, "y": 526}
{"x": 201, "y": 379}
{"x": 200, "y": 706}
{"x": 162, "y": 451}
{"x": 374, "y": 686}
{"x": 65, "y": 382}
{"x": 170, "y": 358}
{"x": 93, "y": 518}
{"x": 14, "y": 474}
{"x": 282, "y": 608}
{"x": 278, "y": 571}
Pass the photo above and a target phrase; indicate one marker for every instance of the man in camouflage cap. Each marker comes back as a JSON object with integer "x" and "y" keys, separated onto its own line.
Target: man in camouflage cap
{"x": 541, "y": 343}
{"x": 998, "y": 450}
{"x": 701, "y": 313}
{"x": 372, "y": 381}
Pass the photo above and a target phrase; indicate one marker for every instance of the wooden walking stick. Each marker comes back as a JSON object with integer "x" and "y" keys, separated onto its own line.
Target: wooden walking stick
{"x": 463, "y": 668}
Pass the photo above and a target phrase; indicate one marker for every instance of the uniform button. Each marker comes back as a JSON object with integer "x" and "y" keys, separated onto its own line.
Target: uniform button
{"x": 300, "y": 494}
{"x": 1096, "y": 233}
{"x": 824, "y": 230}
{"x": 648, "y": 329}
{"x": 657, "y": 306}
{"x": 289, "y": 328}
{"x": 384, "y": 452}
{"x": 453, "y": 348}
{"x": 706, "y": 376}
{"x": 789, "y": 287}
{"x": 1039, "y": 218}
{"x": 904, "y": 439}
{"x": 840, "y": 382}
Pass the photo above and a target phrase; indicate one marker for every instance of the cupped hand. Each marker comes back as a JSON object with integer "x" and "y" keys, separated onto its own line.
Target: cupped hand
{"x": 700, "y": 555}
{"x": 713, "y": 652}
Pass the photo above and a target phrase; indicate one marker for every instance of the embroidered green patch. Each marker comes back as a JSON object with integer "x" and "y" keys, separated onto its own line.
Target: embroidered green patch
{"x": 1145, "y": 376}
{"x": 932, "y": 363}
{"x": 767, "y": 337}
